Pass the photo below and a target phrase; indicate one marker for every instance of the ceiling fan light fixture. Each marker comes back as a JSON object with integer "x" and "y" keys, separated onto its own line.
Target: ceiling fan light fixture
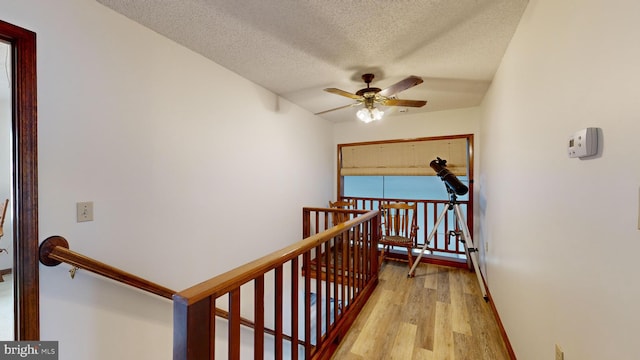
{"x": 371, "y": 96}
{"x": 367, "y": 115}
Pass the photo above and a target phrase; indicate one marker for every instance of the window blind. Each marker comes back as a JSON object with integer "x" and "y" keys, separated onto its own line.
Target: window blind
{"x": 404, "y": 158}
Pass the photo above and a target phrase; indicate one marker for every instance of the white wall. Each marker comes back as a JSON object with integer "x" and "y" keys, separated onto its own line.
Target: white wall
{"x": 563, "y": 233}
{"x": 6, "y": 258}
{"x": 409, "y": 126}
{"x": 184, "y": 160}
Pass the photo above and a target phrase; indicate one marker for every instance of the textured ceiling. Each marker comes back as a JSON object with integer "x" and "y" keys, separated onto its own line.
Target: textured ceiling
{"x": 296, "y": 48}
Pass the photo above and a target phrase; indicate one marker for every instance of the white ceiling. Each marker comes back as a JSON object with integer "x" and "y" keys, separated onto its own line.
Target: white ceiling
{"x": 296, "y": 48}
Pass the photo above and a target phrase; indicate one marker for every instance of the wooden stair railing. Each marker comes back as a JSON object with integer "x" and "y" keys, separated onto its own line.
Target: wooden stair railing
{"x": 55, "y": 250}
{"x": 289, "y": 271}
{"x": 195, "y": 308}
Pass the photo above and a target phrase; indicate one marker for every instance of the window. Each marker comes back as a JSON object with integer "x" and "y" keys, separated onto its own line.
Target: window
{"x": 399, "y": 187}
{"x": 399, "y": 169}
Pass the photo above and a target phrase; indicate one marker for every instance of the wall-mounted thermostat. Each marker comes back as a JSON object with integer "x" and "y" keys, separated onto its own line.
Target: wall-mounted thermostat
{"x": 583, "y": 143}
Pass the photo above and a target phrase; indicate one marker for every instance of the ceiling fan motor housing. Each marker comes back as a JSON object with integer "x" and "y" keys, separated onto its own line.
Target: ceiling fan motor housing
{"x": 368, "y": 92}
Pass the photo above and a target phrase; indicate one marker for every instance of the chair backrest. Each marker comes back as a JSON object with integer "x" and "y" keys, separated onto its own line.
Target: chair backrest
{"x": 399, "y": 219}
{"x": 343, "y": 204}
{"x": 3, "y": 213}
{"x": 340, "y": 217}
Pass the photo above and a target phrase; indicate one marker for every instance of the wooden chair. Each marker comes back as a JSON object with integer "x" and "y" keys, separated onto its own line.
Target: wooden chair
{"x": 340, "y": 217}
{"x": 3, "y": 213}
{"x": 399, "y": 228}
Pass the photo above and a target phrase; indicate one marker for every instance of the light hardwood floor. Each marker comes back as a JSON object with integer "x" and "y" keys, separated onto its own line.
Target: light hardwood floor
{"x": 439, "y": 314}
{"x": 6, "y": 308}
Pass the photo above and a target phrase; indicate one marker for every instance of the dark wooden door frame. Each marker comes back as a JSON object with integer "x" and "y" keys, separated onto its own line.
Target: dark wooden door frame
{"x": 25, "y": 180}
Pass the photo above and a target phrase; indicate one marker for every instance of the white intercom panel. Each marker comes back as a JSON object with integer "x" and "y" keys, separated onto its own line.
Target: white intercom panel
{"x": 583, "y": 143}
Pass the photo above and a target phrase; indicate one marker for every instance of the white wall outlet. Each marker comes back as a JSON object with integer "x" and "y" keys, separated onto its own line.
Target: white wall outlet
{"x": 559, "y": 353}
{"x": 84, "y": 211}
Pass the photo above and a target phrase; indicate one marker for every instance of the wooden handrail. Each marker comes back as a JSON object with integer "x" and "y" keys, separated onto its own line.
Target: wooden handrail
{"x": 344, "y": 256}
{"x": 226, "y": 282}
{"x": 55, "y": 250}
{"x": 195, "y": 310}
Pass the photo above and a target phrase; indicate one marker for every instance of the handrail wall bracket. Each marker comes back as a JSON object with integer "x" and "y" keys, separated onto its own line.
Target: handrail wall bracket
{"x": 47, "y": 246}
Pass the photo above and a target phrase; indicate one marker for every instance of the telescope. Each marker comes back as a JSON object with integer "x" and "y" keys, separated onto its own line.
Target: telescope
{"x": 454, "y": 187}
{"x": 450, "y": 180}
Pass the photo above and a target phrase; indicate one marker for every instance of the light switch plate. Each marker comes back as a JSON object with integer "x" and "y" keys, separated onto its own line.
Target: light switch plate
{"x": 84, "y": 211}
{"x": 559, "y": 353}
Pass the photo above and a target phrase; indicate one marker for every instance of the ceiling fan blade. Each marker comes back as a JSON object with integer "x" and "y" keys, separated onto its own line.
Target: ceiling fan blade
{"x": 343, "y": 93}
{"x": 401, "y": 85}
{"x": 338, "y": 108}
{"x": 401, "y": 102}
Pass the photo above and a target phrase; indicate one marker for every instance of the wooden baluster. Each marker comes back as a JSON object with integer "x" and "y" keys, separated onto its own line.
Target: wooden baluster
{"x": 343, "y": 269}
{"x": 212, "y": 327}
{"x": 375, "y": 234}
{"x": 278, "y": 312}
{"x": 319, "y": 222}
{"x": 307, "y": 305}
{"x": 351, "y": 266}
{"x": 234, "y": 324}
{"x": 447, "y": 238}
{"x": 425, "y": 215}
{"x": 306, "y": 223}
{"x": 258, "y": 311}
{"x": 435, "y": 219}
{"x": 294, "y": 308}
{"x": 318, "y": 295}
{"x": 327, "y": 283}
{"x": 357, "y": 271}
{"x": 337, "y": 266}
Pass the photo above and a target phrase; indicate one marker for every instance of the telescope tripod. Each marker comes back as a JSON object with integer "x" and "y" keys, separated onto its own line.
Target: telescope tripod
{"x": 469, "y": 247}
